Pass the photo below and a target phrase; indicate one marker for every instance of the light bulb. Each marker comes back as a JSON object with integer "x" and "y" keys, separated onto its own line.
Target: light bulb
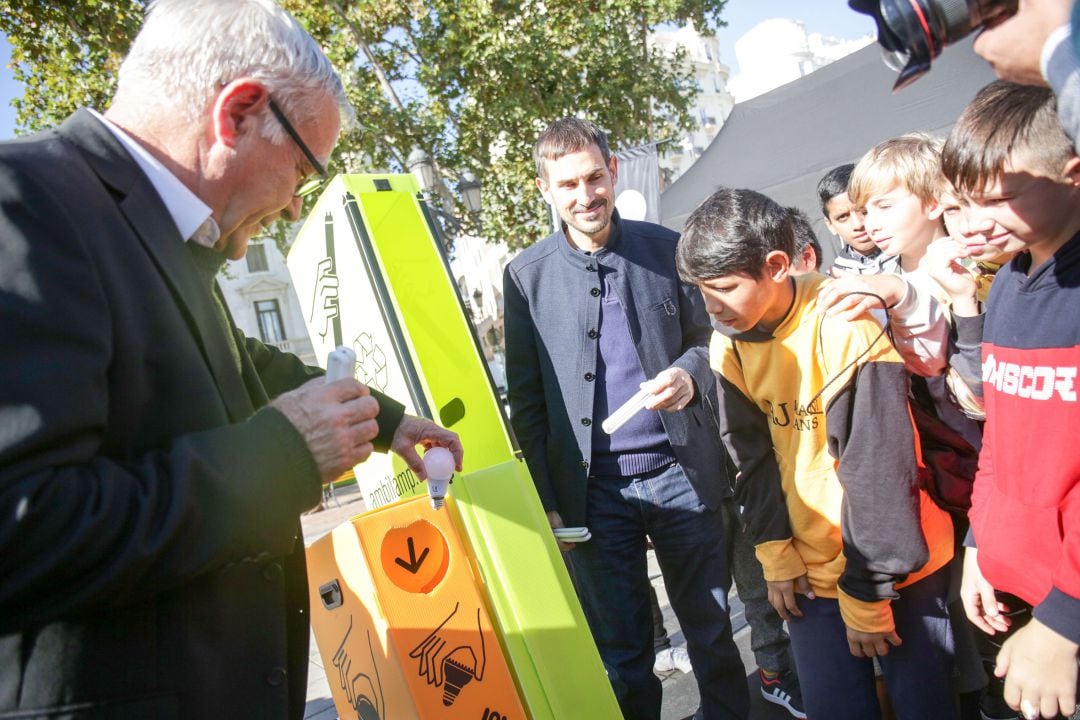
{"x": 439, "y": 463}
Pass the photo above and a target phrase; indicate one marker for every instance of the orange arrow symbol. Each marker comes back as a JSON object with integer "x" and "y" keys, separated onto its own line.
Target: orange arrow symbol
{"x": 414, "y": 563}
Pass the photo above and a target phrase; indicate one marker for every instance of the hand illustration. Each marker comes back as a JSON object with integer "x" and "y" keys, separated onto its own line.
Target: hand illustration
{"x": 324, "y": 304}
{"x": 454, "y": 666}
{"x": 363, "y": 690}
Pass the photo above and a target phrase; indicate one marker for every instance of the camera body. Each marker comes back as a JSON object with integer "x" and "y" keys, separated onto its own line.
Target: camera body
{"x": 914, "y": 32}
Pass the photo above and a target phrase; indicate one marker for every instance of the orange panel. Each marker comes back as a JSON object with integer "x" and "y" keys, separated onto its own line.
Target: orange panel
{"x": 362, "y": 668}
{"x": 436, "y": 613}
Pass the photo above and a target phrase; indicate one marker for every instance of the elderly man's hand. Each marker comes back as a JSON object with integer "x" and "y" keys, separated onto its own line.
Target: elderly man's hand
{"x": 413, "y": 431}
{"x": 555, "y": 521}
{"x": 336, "y": 420}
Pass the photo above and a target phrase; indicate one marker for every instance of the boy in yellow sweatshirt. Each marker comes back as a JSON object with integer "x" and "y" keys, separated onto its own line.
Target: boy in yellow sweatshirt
{"x": 814, "y": 413}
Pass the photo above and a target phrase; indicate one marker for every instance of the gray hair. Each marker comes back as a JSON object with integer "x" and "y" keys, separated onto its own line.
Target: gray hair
{"x": 565, "y": 136}
{"x": 188, "y": 49}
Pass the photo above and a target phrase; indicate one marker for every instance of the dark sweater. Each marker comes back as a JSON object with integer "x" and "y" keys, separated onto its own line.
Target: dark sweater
{"x": 641, "y": 445}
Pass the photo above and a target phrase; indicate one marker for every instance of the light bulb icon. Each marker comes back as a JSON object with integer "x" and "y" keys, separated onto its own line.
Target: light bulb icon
{"x": 459, "y": 669}
{"x": 439, "y": 463}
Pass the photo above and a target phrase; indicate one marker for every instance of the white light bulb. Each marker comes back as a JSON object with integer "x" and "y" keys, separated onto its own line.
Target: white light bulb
{"x": 439, "y": 463}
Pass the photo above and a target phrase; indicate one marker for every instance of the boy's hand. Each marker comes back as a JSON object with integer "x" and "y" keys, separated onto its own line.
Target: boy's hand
{"x": 782, "y": 595}
{"x": 672, "y": 389}
{"x": 1039, "y": 667}
{"x": 864, "y": 644}
{"x": 980, "y": 602}
{"x": 847, "y": 296}
{"x": 941, "y": 262}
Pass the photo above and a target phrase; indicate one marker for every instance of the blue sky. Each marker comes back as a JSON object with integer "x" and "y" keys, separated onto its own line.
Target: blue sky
{"x": 829, "y": 17}
{"x": 8, "y": 89}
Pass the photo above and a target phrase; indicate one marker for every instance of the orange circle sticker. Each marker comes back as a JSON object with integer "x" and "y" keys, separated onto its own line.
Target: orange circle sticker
{"x": 415, "y": 557}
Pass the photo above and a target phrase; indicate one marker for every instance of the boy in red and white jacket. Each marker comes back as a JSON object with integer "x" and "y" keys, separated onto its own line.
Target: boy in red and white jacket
{"x": 1020, "y": 176}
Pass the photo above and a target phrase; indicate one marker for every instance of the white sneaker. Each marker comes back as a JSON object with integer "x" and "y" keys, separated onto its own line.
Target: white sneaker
{"x": 682, "y": 659}
{"x": 664, "y": 662}
{"x": 670, "y": 659}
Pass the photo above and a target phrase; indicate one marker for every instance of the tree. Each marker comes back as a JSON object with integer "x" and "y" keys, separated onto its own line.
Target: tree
{"x": 471, "y": 82}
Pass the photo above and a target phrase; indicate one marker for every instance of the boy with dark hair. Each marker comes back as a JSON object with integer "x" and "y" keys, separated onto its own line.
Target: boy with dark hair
{"x": 815, "y": 416}
{"x": 1009, "y": 158}
{"x": 807, "y": 256}
{"x": 858, "y": 253}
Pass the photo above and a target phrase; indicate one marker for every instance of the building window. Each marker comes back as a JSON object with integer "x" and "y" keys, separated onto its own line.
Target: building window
{"x": 271, "y": 328}
{"x": 256, "y": 258}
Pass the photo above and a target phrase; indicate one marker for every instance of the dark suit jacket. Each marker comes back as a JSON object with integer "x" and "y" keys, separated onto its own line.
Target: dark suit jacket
{"x": 151, "y": 562}
{"x": 552, "y": 304}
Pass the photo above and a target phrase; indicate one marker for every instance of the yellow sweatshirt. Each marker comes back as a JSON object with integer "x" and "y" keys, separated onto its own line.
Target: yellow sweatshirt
{"x": 815, "y": 416}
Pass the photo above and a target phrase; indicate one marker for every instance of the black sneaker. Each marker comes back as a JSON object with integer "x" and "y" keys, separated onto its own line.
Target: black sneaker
{"x": 783, "y": 690}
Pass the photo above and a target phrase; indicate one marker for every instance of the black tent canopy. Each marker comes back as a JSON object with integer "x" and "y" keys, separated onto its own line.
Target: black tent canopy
{"x": 782, "y": 142}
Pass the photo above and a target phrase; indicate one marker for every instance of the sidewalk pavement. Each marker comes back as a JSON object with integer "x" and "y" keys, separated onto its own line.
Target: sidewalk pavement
{"x": 680, "y": 691}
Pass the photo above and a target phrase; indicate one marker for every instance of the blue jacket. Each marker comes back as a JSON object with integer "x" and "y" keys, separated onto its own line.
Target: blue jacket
{"x": 552, "y": 304}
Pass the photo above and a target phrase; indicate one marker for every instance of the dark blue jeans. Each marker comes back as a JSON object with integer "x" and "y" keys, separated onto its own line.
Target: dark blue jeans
{"x": 611, "y": 577}
{"x": 768, "y": 638}
{"x": 839, "y": 686}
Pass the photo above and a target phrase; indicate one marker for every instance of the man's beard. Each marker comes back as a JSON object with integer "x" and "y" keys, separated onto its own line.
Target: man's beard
{"x": 587, "y": 227}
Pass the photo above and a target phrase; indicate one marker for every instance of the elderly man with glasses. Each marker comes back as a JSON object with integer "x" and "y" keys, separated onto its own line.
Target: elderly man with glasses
{"x": 153, "y": 461}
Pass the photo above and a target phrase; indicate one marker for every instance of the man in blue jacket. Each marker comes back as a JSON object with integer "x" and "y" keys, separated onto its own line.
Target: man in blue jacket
{"x": 593, "y": 312}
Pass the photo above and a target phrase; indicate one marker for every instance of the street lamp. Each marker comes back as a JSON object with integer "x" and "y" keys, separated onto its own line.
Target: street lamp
{"x": 419, "y": 164}
{"x": 469, "y": 187}
{"x": 478, "y": 300}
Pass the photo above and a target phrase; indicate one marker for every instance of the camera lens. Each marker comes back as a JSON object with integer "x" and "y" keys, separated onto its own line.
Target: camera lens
{"x": 895, "y": 60}
{"x": 914, "y": 32}
{"x": 911, "y": 22}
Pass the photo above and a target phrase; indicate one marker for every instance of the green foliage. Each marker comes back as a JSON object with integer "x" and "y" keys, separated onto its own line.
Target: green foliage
{"x": 471, "y": 82}
{"x": 66, "y": 54}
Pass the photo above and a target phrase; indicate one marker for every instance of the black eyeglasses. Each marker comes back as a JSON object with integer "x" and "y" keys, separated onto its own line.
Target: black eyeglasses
{"x": 321, "y": 176}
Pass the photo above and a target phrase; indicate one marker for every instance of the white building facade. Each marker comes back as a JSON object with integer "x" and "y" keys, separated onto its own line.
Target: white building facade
{"x": 711, "y": 106}
{"x": 259, "y": 292}
{"x": 477, "y": 267}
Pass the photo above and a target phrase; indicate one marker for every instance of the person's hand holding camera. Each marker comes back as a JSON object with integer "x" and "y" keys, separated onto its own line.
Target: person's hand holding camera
{"x": 1013, "y": 46}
